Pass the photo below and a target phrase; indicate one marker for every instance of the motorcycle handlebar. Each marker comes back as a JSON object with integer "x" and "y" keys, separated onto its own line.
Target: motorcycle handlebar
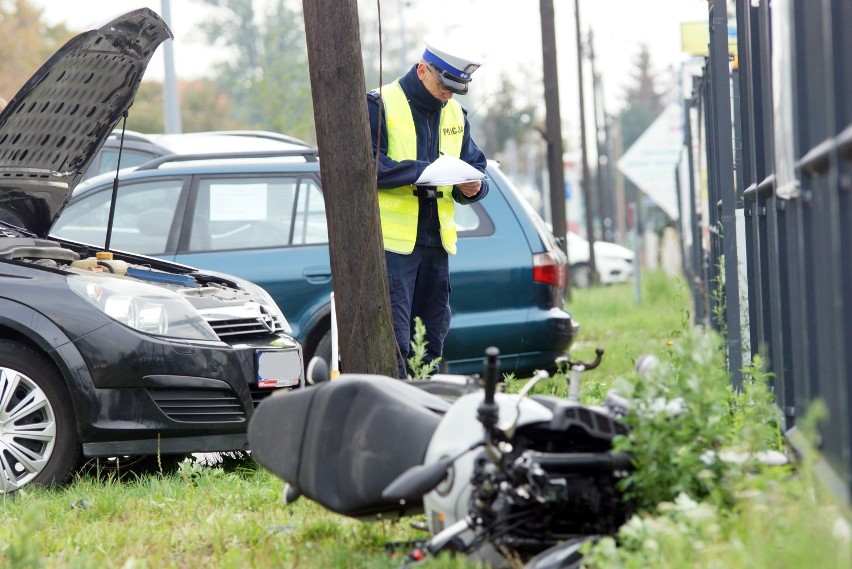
{"x": 568, "y": 462}
{"x": 491, "y": 355}
{"x": 586, "y": 366}
{"x": 488, "y": 410}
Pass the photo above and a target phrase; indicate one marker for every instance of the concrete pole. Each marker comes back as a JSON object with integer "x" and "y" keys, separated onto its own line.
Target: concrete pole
{"x": 171, "y": 101}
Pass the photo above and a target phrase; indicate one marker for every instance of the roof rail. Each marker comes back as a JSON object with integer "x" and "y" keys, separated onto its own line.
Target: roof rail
{"x": 309, "y": 154}
{"x": 263, "y": 134}
{"x": 130, "y": 135}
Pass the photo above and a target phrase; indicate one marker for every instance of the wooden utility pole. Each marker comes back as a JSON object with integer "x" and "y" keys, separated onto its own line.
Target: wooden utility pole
{"x": 553, "y": 127}
{"x": 366, "y": 340}
{"x": 620, "y": 201}
{"x": 587, "y": 193}
{"x": 600, "y": 142}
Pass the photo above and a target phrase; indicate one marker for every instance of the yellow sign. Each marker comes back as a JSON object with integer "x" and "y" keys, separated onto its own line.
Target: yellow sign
{"x": 695, "y": 38}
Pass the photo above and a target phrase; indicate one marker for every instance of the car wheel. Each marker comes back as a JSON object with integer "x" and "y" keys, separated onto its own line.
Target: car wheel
{"x": 38, "y": 435}
{"x": 324, "y": 348}
{"x": 581, "y": 276}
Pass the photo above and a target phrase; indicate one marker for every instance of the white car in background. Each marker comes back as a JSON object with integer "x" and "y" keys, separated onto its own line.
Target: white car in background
{"x": 613, "y": 262}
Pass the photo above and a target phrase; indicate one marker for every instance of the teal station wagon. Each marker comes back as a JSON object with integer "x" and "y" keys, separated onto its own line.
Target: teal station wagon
{"x": 222, "y": 203}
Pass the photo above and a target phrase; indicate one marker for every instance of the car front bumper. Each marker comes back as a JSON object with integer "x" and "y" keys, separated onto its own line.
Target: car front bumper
{"x": 149, "y": 395}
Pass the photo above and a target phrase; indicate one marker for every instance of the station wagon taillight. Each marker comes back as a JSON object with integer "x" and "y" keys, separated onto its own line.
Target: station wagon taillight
{"x": 548, "y": 269}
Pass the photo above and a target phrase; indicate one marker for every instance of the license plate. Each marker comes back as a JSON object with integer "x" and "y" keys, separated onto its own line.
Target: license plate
{"x": 278, "y": 369}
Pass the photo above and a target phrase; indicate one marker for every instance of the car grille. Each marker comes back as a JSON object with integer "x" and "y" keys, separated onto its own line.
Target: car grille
{"x": 197, "y": 406}
{"x": 244, "y": 327}
{"x": 258, "y": 394}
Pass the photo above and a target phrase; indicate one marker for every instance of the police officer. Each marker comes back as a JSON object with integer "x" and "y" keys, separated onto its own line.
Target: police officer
{"x": 413, "y": 121}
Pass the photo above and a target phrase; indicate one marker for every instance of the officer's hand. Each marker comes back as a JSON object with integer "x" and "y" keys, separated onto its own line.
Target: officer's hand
{"x": 470, "y": 189}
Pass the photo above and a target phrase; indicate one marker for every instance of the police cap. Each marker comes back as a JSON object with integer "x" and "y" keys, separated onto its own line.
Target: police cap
{"x": 452, "y": 69}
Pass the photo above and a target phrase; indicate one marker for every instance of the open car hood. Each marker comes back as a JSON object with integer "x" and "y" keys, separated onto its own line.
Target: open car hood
{"x": 52, "y": 128}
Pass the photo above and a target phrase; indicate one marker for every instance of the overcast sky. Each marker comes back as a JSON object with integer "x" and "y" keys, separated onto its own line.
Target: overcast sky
{"x": 507, "y": 33}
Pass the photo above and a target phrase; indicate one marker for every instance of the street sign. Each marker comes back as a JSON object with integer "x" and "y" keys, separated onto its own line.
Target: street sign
{"x": 650, "y": 162}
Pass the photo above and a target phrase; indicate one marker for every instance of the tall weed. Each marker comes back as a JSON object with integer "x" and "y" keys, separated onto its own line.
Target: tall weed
{"x": 420, "y": 368}
{"x": 779, "y": 519}
{"x": 685, "y": 417}
{"x": 705, "y": 492}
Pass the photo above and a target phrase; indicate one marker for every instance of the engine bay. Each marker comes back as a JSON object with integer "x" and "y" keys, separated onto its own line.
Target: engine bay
{"x": 53, "y": 255}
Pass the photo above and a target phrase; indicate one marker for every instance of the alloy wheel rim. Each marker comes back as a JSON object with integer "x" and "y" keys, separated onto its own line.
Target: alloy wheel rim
{"x": 27, "y": 430}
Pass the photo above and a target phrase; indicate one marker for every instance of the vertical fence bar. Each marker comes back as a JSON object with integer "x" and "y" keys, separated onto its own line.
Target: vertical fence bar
{"x": 762, "y": 155}
{"x": 712, "y": 263}
{"x": 747, "y": 180}
{"x": 841, "y": 47}
{"x": 817, "y": 169}
{"x": 777, "y": 296}
{"x": 695, "y": 253}
{"x": 724, "y": 177}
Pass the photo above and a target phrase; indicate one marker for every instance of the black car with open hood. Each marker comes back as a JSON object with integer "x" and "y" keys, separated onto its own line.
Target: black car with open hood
{"x": 104, "y": 353}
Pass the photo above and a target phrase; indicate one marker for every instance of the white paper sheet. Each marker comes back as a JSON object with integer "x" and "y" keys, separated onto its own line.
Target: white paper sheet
{"x": 448, "y": 171}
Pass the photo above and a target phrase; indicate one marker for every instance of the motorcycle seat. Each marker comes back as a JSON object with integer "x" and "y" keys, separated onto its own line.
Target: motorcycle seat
{"x": 342, "y": 442}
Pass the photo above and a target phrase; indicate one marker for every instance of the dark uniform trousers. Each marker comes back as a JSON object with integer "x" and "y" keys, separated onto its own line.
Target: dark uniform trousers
{"x": 419, "y": 285}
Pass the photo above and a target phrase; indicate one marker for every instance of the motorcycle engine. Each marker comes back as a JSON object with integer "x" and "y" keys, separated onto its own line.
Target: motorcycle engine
{"x": 552, "y": 479}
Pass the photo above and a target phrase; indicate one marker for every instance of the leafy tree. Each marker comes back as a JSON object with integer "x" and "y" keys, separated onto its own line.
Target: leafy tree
{"x": 506, "y": 118}
{"x": 267, "y": 79}
{"x": 27, "y": 43}
{"x": 644, "y": 103}
{"x": 400, "y": 46}
{"x": 203, "y": 107}
{"x": 146, "y": 114}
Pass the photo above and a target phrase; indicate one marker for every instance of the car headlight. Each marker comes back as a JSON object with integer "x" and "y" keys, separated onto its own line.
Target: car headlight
{"x": 149, "y": 309}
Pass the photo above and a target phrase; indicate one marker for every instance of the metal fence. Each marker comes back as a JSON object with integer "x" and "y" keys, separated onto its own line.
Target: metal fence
{"x": 767, "y": 170}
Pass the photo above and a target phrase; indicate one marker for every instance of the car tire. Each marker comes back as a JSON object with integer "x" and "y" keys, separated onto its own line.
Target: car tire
{"x": 38, "y": 433}
{"x": 581, "y": 275}
{"x": 323, "y": 349}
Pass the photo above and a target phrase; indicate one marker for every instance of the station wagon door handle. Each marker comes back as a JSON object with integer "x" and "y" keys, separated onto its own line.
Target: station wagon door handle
{"x": 317, "y": 275}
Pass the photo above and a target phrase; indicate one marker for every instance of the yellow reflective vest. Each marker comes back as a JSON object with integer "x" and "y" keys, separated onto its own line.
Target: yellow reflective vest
{"x": 398, "y": 207}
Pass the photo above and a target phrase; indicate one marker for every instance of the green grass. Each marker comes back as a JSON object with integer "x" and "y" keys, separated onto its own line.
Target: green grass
{"x": 232, "y": 516}
{"x": 610, "y": 318}
{"x": 199, "y": 517}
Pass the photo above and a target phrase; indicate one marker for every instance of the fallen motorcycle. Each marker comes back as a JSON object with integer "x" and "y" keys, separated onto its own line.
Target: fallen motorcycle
{"x": 500, "y": 477}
